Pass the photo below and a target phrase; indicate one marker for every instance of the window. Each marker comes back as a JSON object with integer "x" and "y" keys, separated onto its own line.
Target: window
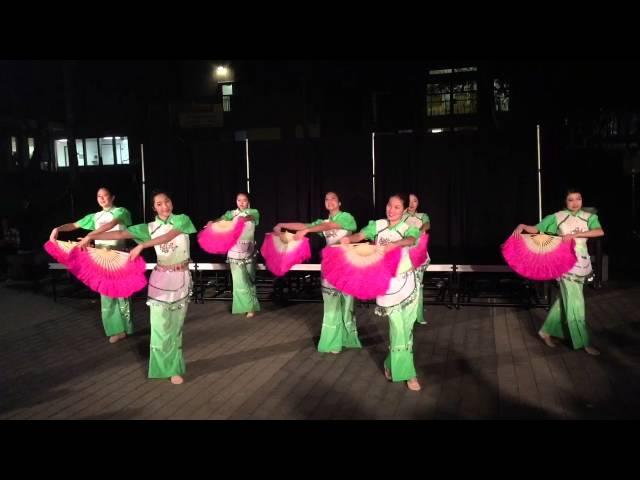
{"x": 446, "y": 71}
{"x": 31, "y": 142}
{"x": 62, "y": 153}
{"x": 106, "y": 151}
{"x": 92, "y": 157}
{"x": 440, "y": 71}
{"x": 93, "y": 152}
{"x": 452, "y": 94}
{"x": 611, "y": 125}
{"x": 122, "y": 150}
{"x": 80, "y": 152}
{"x": 501, "y": 95}
{"x": 227, "y": 91}
{"x": 465, "y": 97}
{"x": 458, "y": 98}
{"x": 14, "y": 152}
{"x": 438, "y": 99}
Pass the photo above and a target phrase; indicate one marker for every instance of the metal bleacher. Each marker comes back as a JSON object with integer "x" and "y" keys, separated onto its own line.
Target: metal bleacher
{"x": 452, "y": 285}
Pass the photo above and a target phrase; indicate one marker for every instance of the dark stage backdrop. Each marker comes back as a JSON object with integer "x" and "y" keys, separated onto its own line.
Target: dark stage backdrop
{"x": 476, "y": 186}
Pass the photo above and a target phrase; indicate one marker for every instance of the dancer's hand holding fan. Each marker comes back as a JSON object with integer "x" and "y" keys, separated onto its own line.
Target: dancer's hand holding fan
{"x": 281, "y": 251}
{"x": 418, "y": 253}
{"x": 218, "y": 237}
{"x": 360, "y": 269}
{"x": 109, "y": 272}
{"x": 60, "y": 250}
{"x": 538, "y": 256}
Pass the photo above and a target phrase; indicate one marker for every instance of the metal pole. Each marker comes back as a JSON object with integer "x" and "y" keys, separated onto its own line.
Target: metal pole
{"x": 373, "y": 167}
{"x": 144, "y": 187}
{"x": 246, "y": 149}
{"x": 539, "y": 177}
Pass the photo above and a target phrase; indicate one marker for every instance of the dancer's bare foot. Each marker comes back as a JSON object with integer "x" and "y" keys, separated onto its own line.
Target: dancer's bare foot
{"x": 546, "y": 339}
{"x": 251, "y": 315}
{"x": 177, "y": 380}
{"x": 117, "y": 338}
{"x": 592, "y": 351}
{"x": 414, "y": 385}
{"x": 335, "y": 353}
{"x": 387, "y": 374}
